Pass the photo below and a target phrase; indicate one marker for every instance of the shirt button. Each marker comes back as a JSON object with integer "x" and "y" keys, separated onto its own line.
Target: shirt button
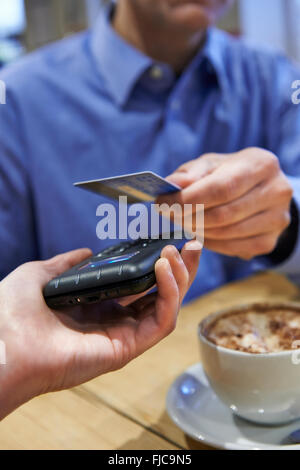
{"x": 175, "y": 105}
{"x": 156, "y": 72}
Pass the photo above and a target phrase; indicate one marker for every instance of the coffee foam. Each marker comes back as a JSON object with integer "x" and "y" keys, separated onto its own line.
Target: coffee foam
{"x": 257, "y": 332}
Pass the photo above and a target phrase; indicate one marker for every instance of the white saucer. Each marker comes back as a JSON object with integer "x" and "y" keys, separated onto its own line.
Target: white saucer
{"x": 194, "y": 407}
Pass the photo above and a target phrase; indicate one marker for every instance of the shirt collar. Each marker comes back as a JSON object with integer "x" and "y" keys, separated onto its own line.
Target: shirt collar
{"x": 111, "y": 52}
{"x": 219, "y": 51}
{"x": 213, "y": 52}
{"x": 120, "y": 64}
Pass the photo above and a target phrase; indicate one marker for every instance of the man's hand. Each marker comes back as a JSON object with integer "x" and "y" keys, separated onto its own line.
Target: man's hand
{"x": 247, "y": 200}
{"x": 49, "y": 350}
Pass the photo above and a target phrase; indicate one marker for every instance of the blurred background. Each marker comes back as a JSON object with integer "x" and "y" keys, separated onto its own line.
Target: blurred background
{"x": 28, "y": 24}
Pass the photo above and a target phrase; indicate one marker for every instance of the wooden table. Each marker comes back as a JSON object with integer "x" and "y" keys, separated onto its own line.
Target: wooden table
{"x": 126, "y": 409}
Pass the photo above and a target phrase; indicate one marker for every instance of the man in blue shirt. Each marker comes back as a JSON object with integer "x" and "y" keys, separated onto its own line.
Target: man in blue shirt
{"x": 151, "y": 87}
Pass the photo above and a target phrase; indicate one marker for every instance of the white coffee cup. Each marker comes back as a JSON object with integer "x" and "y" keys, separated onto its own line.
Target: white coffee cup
{"x": 263, "y": 388}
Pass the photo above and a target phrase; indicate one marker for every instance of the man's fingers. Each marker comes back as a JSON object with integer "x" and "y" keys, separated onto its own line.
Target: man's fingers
{"x": 228, "y": 182}
{"x": 162, "y": 320}
{"x": 167, "y": 300}
{"x": 265, "y": 222}
{"x": 65, "y": 261}
{"x": 38, "y": 273}
{"x": 190, "y": 254}
{"x": 178, "y": 267}
{"x": 181, "y": 179}
{"x": 174, "y": 275}
{"x": 264, "y": 196}
{"x": 129, "y": 299}
{"x": 144, "y": 305}
{"x": 247, "y": 248}
{"x": 184, "y": 268}
{"x": 193, "y": 170}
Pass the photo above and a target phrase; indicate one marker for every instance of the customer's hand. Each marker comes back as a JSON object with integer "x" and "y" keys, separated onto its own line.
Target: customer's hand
{"x": 246, "y": 196}
{"x": 50, "y": 350}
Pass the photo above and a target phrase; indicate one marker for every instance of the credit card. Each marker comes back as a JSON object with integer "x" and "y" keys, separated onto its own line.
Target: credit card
{"x": 138, "y": 187}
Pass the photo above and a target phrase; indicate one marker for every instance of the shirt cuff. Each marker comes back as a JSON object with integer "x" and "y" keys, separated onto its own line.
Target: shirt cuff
{"x": 291, "y": 266}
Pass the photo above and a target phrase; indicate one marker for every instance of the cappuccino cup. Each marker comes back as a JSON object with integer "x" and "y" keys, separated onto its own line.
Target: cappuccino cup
{"x": 251, "y": 359}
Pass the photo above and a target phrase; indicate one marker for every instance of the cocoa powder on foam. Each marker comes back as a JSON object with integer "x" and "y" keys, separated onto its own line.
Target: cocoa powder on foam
{"x": 256, "y": 330}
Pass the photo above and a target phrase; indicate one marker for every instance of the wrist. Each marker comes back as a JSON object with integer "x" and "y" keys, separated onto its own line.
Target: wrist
{"x": 15, "y": 388}
{"x": 288, "y": 240}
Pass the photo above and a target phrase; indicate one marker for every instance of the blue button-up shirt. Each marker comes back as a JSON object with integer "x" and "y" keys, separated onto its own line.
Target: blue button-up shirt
{"x": 92, "y": 106}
